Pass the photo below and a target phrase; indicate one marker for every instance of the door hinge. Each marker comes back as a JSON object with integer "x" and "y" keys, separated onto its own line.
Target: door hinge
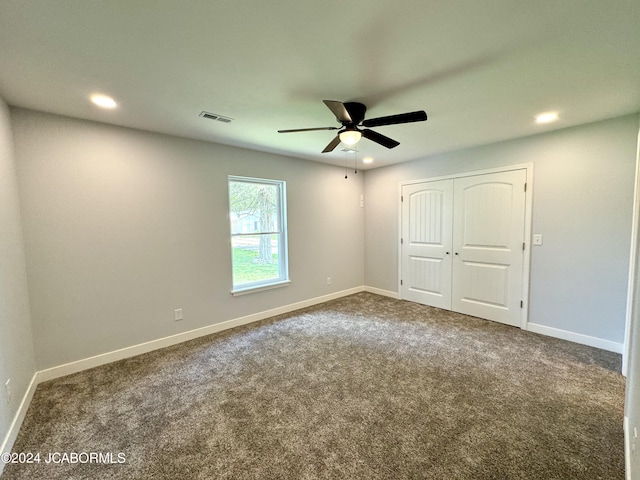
{"x": 523, "y": 245}
{"x": 401, "y": 241}
{"x": 400, "y": 282}
{"x": 402, "y": 198}
{"x": 525, "y": 187}
{"x": 521, "y": 304}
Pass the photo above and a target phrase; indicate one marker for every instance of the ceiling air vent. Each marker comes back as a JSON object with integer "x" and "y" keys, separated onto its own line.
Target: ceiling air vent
{"x": 215, "y": 116}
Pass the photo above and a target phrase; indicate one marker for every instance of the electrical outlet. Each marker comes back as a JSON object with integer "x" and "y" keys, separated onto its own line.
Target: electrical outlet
{"x": 7, "y": 389}
{"x": 328, "y": 280}
{"x": 177, "y": 314}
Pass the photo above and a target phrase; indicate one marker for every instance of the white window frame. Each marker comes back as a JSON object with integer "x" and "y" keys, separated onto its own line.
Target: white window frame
{"x": 283, "y": 263}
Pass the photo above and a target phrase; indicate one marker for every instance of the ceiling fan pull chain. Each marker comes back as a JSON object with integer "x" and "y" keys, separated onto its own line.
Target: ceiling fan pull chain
{"x": 346, "y": 165}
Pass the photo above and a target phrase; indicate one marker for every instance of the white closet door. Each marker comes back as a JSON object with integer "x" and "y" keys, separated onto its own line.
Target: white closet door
{"x": 488, "y": 236}
{"x": 427, "y": 210}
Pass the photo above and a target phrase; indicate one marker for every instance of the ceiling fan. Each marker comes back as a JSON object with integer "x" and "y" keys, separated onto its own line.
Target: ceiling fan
{"x": 351, "y": 116}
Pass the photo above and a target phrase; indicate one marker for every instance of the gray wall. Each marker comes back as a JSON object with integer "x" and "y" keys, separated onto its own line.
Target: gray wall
{"x": 16, "y": 346}
{"x": 123, "y": 226}
{"x": 582, "y": 204}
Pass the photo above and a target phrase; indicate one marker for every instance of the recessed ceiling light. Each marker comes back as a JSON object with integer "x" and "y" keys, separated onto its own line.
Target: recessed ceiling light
{"x": 367, "y": 160}
{"x": 547, "y": 117}
{"x": 103, "y": 101}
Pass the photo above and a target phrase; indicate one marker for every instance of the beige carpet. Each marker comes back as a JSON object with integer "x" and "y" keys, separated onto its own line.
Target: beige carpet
{"x": 362, "y": 387}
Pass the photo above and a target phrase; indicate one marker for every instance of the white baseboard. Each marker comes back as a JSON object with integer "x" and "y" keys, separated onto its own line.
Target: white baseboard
{"x": 380, "y": 291}
{"x": 576, "y": 337}
{"x": 14, "y": 428}
{"x": 127, "y": 352}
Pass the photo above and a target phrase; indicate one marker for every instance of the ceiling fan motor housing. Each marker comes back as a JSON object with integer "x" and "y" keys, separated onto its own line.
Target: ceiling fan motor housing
{"x": 356, "y": 112}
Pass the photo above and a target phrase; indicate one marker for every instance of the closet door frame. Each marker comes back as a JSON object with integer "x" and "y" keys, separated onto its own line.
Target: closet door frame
{"x": 528, "y": 167}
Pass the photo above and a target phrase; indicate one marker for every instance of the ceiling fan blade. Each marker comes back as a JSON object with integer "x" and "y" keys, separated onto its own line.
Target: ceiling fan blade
{"x": 339, "y": 110}
{"x": 419, "y": 116}
{"x": 307, "y": 129}
{"x": 333, "y": 144}
{"x": 379, "y": 138}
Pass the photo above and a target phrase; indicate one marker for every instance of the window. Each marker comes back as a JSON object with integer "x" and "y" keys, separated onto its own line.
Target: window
{"x": 258, "y": 218}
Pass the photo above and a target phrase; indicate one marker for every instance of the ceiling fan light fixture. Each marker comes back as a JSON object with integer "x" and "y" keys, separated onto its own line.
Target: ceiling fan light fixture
{"x": 350, "y": 137}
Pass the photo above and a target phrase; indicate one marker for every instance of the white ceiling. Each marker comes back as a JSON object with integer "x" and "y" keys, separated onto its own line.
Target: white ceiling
{"x": 480, "y": 68}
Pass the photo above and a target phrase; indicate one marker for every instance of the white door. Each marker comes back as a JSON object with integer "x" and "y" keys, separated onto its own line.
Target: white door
{"x": 427, "y": 210}
{"x": 462, "y": 244}
{"x": 488, "y": 245}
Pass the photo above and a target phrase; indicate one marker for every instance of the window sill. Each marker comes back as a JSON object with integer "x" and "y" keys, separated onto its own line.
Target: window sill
{"x": 245, "y": 291}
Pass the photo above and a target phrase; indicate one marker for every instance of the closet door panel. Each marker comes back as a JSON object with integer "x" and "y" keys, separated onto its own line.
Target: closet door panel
{"x": 427, "y": 211}
{"x": 488, "y": 236}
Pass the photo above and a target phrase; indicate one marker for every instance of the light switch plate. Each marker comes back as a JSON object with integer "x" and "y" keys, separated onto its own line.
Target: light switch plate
{"x": 537, "y": 239}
